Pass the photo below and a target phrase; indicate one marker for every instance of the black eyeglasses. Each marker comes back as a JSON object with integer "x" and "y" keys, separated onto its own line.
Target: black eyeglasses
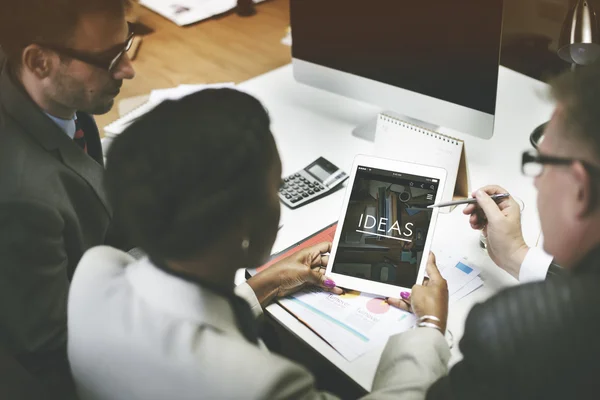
{"x": 532, "y": 163}
{"x": 106, "y": 60}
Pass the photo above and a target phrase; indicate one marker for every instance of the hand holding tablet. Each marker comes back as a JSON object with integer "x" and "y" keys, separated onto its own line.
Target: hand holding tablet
{"x": 386, "y": 226}
{"x": 428, "y": 301}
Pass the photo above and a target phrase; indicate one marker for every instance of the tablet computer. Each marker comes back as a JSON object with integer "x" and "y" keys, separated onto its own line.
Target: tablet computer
{"x": 385, "y": 229}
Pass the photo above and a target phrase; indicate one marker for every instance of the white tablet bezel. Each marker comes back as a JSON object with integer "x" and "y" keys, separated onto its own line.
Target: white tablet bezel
{"x": 365, "y": 285}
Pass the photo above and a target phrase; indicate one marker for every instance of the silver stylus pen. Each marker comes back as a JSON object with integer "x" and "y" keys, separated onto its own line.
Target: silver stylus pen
{"x": 468, "y": 201}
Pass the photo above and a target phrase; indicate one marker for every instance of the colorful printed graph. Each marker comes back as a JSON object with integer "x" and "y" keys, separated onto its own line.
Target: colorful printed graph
{"x": 378, "y": 306}
{"x": 349, "y": 294}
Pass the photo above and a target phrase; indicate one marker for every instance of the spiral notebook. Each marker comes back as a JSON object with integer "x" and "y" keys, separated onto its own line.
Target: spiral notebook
{"x": 400, "y": 140}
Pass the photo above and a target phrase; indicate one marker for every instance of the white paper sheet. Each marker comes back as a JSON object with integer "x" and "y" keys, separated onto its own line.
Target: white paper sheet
{"x": 156, "y": 97}
{"x": 355, "y": 322}
{"x": 351, "y": 323}
{"x": 185, "y": 12}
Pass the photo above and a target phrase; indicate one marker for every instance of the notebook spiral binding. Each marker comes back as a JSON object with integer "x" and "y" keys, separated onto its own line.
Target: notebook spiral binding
{"x": 420, "y": 129}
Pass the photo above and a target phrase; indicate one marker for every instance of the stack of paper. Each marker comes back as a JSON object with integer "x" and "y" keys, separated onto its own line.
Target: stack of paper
{"x": 185, "y": 12}
{"x": 462, "y": 277}
{"x": 157, "y": 97}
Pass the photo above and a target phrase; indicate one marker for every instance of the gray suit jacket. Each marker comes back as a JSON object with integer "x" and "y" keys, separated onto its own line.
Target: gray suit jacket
{"x": 52, "y": 209}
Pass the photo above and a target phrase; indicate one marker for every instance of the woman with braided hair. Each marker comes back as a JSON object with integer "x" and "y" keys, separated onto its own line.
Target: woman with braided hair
{"x": 195, "y": 182}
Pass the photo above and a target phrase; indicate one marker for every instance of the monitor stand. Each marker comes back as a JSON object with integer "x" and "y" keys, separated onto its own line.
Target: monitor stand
{"x": 367, "y": 129}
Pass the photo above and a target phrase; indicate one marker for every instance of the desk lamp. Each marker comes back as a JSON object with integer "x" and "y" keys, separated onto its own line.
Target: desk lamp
{"x": 579, "y": 44}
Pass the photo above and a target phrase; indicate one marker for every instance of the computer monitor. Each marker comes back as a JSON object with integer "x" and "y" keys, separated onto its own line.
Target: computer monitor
{"x": 436, "y": 61}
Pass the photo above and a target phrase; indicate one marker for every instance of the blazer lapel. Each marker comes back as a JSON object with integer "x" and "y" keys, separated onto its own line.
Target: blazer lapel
{"x": 41, "y": 128}
{"x": 86, "y": 167}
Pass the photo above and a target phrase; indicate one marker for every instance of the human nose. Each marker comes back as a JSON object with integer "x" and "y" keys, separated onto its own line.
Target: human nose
{"x": 124, "y": 69}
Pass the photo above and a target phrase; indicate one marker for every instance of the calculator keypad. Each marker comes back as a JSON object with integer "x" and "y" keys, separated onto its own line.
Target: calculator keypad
{"x": 298, "y": 188}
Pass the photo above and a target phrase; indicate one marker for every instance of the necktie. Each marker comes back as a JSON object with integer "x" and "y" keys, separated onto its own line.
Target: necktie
{"x": 79, "y": 137}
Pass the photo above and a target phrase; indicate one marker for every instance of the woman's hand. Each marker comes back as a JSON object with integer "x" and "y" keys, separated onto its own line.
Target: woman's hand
{"x": 304, "y": 268}
{"x": 431, "y": 298}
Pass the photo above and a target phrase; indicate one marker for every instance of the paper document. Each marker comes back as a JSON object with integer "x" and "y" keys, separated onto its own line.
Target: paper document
{"x": 351, "y": 323}
{"x": 156, "y": 97}
{"x": 185, "y": 12}
{"x": 176, "y": 93}
{"x": 355, "y": 322}
{"x": 460, "y": 274}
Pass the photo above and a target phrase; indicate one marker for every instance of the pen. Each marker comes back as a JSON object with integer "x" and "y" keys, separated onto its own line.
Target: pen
{"x": 468, "y": 201}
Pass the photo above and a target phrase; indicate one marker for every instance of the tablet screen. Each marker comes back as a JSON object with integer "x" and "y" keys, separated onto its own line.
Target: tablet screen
{"x": 385, "y": 226}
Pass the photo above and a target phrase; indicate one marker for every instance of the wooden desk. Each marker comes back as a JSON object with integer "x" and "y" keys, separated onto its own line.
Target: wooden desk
{"x": 227, "y": 48}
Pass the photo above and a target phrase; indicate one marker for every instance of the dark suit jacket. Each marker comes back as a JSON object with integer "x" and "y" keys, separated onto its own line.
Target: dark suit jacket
{"x": 52, "y": 209}
{"x": 534, "y": 341}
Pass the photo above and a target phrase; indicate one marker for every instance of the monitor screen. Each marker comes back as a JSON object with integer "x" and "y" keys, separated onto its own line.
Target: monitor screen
{"x": 445, "y": 49}
{"x": 385, "y": 227}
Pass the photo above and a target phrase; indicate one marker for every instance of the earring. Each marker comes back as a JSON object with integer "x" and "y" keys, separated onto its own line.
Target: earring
{"x": 245, "y": 244}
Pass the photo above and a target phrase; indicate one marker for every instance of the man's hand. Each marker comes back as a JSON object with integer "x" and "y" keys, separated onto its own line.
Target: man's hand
{"x": 431, "y": 298}
{"x": 501, "y": 224}
{"x": 304, "y": 268}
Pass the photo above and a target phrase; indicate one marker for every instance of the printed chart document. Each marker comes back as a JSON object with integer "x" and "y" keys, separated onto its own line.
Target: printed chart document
{"x": 462, "y": 277}
{"x": 352, "y": 323}
{"x": 355, "y": 322}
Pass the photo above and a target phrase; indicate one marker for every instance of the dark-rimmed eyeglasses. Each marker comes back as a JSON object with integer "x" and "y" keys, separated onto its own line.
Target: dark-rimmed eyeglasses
{"x": 106, "y": 60}
{"x": 532, "y": 163}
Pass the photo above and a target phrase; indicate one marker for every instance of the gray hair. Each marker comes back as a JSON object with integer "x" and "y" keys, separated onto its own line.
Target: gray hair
{"x": 579, "y": 93}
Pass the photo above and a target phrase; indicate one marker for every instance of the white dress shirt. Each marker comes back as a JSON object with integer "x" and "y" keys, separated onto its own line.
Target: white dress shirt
{"x": 535, "y": 265}
{"x": 137, "y": 332}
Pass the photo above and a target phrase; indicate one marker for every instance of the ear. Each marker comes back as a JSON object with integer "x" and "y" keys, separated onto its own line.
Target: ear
{"x": 585, "y": 189}
{"x": 37, "y": 60}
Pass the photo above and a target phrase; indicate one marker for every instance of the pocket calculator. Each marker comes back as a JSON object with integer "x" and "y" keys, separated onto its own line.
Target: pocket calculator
{"x": 316, "y": 180}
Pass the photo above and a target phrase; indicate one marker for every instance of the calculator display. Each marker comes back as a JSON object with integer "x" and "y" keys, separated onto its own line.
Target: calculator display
{"x": 319, "y": 172}
{"x": 321, "y": 169}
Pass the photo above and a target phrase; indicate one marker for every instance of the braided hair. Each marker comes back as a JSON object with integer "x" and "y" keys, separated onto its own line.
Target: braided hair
{"x": 182, "y": 175}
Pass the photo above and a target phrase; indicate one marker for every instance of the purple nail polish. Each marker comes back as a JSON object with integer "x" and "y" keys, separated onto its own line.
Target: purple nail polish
{"x": 329, "y": 283}
{"x": 405, "y": 295}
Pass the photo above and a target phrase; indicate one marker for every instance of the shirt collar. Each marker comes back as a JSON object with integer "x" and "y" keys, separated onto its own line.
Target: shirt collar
{"x": 67, "y": 125}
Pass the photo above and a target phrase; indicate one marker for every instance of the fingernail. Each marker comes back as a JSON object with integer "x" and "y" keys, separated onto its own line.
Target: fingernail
{"x": 478, "y": 193}
{"x": 329, "y": 283}
{"x": 405, "y": 295}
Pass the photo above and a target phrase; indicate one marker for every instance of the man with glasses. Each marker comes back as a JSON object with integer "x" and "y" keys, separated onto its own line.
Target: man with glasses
{"x": 540, "y": 340}
{"x": 63, "y": 61}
